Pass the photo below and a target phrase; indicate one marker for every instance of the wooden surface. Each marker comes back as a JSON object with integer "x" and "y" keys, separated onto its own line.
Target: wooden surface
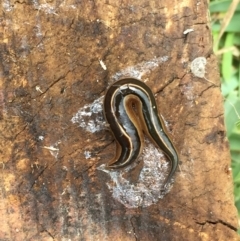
{"x": 57, "y": 60}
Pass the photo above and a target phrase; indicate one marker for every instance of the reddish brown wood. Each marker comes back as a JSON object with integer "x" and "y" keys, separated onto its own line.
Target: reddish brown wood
{"x": 57, "y": 59}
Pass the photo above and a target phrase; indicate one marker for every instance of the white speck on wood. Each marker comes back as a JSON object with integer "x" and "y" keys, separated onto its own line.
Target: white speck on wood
{"x": 87, "y": 154}
{"x": 189, "y": 30}
{"x": 102, "y": 64}
{"x": 41, "y": 138}
{"x": 38, "y": 89}
{"x": 53, "y": 149}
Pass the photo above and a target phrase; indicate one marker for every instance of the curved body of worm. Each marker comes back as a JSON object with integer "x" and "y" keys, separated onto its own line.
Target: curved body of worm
{"x": 130, "y": 109}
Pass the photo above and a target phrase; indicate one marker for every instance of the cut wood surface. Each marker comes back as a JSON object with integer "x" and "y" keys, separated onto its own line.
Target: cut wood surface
{"x": 57, "y": 60}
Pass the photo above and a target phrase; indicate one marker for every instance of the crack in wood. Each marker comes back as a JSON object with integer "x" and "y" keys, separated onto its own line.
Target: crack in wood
{"x": 51, "y": 235}
{"x": 133, "y": 229}
{"x": 40, "y": 173}
{"x": 228, "y": 225}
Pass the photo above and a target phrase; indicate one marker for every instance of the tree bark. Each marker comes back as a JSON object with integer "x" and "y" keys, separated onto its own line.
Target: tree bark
{"x": 57, "y": 60}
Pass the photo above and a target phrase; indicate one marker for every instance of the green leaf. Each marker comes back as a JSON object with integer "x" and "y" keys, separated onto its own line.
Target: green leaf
{"x": 233, "y": 26}
{"x": 215, "y": 38}
{"x": 229, "y": 86}
{"x": 230, "y": 74}
{"x": 227, "y": 70}
{"x": 238, "y": 125}
{"x": 234, "y": 140}
{"x": 221, "y": 6}
{"x": 236, "y": 40}
{"x": 237, "y": 198}
{"x": 238, "y": 79}
{"x": 235, "y": 160}
{"x": 237, "y": 178}
{"x": 230, "y": 114}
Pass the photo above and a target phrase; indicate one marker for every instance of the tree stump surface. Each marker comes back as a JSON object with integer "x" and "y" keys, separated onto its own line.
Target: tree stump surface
{"x": 57, "y": 60}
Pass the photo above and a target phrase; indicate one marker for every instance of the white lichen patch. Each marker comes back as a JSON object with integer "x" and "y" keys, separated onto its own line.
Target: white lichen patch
{"x": 138, "y": 70}
{"x": 52, "y": 8}
{"x": 90, "y": 117}
{"x": 7, "y": 5}
{"x": 189, "y": 92}
{"x": 45, "y": 7}
{"x": 148, "y": 189}
{"x": 198, "y": 67}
